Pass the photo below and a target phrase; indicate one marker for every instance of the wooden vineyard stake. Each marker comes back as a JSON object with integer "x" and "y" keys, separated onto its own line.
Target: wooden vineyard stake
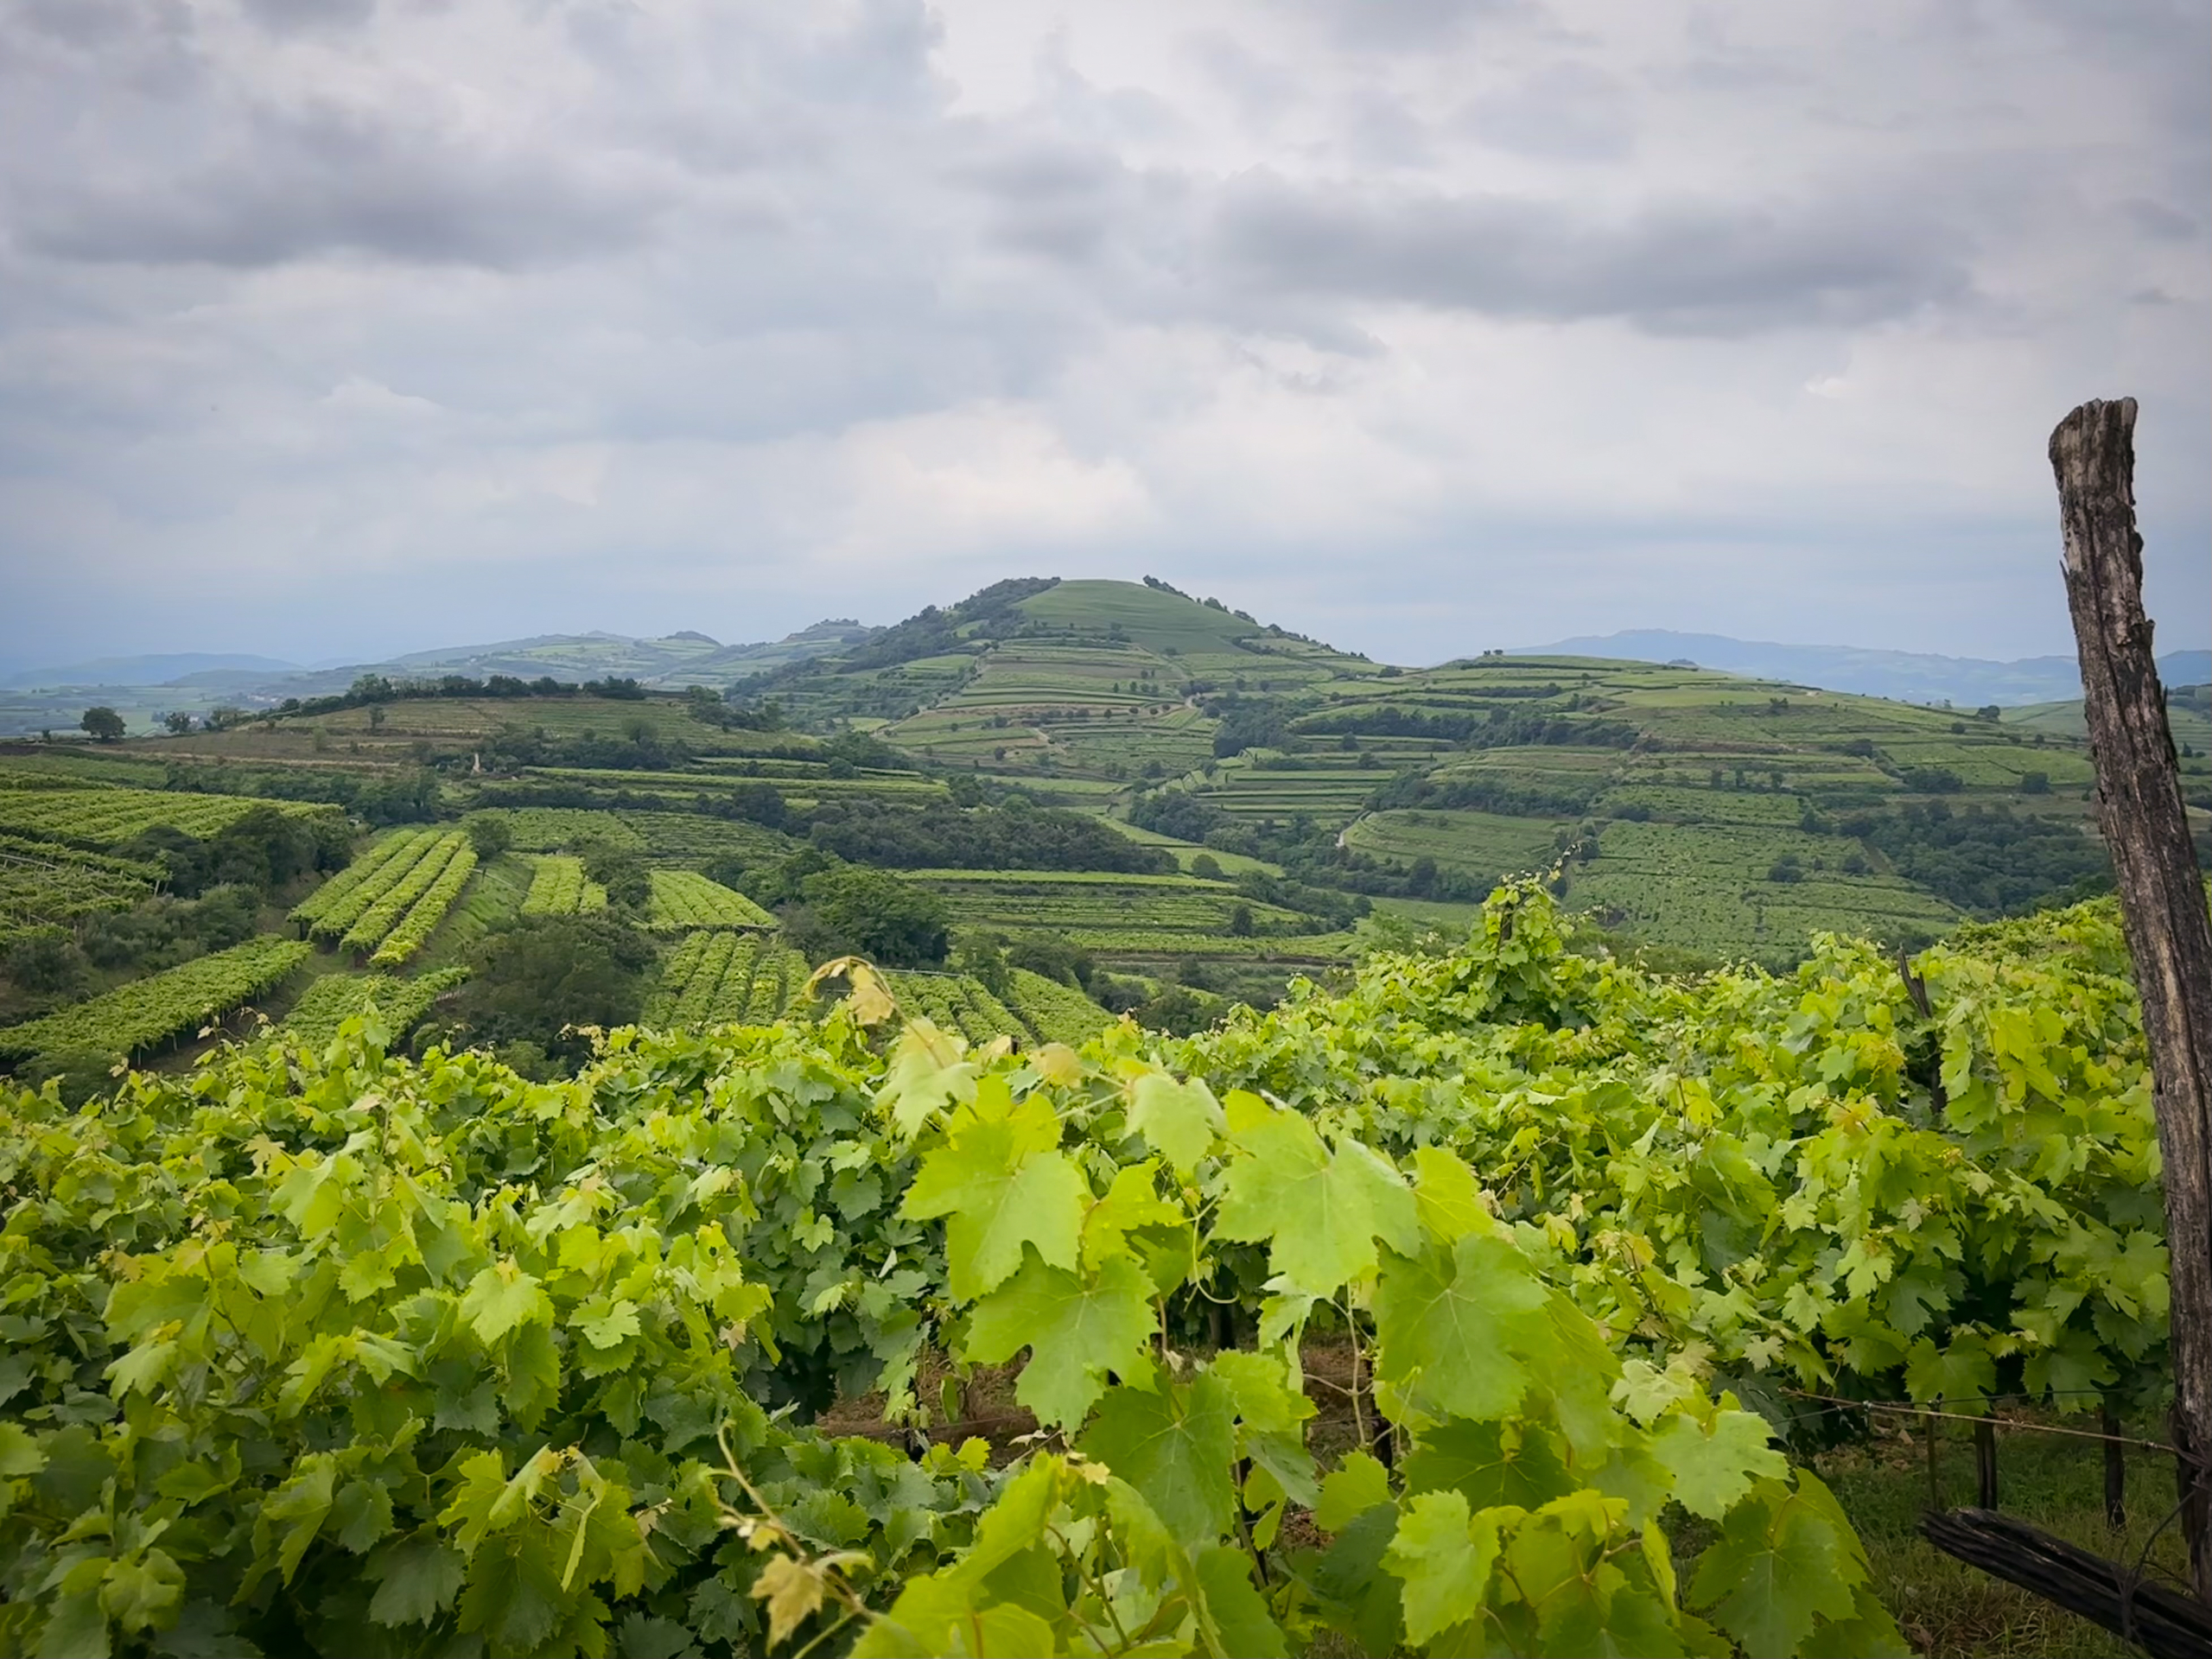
{"x": 2115, "y": 1472}
{"x": 2162, "y": 903}
{"x": 1935, "y": 1486}
{"x": 1985, "y": 1462}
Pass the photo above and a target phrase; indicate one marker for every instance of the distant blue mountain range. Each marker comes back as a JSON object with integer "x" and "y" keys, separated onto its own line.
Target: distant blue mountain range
{"x": 1909, "y": 676}
{"x": 164, "y": 670}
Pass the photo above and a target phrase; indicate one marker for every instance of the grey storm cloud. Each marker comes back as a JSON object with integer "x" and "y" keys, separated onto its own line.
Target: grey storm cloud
{"x": 292, "y": 185}
{"x": 1569, "y": 110}
{"x": 310, "y": 13}
{"x": 1399, "y": 25}
{"x": 1676, "y": 268}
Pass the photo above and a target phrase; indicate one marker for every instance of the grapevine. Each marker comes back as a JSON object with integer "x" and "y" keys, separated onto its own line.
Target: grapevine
{"x": 149, "y": 1012}
{"x": 389, "y": 854}
{"x": 331, "y": 1000}
{"x": 686, "y": 899}
{"x": 330, "y": 915}
{"x": 427, "y": 912}
{"x": 558, "y": 888}
{"x": 378, "y": 921}
{"x": 1057, "y": 1013}
{"x": 105, "y": 816}
{"x": 316, "y": 1339}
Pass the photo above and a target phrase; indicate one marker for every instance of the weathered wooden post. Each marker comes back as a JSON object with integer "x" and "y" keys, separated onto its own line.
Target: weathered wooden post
{"x": 1985, "y": 1462}
{"x": 2162, "y": 901}
{"x": 2115, "y": 1470}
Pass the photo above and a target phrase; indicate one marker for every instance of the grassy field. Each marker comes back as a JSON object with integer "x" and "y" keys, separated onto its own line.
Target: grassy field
{"x": 390, "y": 733}
{"x": 1187, "y": 852}
{"x": 1486, "y": 844}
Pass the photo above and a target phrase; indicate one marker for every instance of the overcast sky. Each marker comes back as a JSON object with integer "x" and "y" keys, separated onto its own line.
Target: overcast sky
{"x": 343, "y": 328}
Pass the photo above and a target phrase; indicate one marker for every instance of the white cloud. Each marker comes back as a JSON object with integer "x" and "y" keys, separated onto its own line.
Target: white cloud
{"x": 1420, "y": 324}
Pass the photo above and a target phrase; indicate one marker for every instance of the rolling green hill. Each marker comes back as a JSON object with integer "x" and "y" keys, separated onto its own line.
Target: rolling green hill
{"x": 1719, "y": 814}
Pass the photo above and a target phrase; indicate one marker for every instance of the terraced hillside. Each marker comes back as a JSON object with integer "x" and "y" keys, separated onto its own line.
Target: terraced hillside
{"x": 1781, "y": 809}
{"x": 1038, "y": 678}
{"x": 1275, "y": 805}
{"x": 1724, "y": 816}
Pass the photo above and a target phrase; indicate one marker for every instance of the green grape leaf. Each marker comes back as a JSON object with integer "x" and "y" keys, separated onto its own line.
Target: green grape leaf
{"x": 925, "y": 1075}
{"x": 533, "y": 1375}
{"x": 1350, "y": 1579}
{"x": 1779, "y": 1564}
{"x": 1644, "y": 1391}
{"x": 1355, "y": 1486}
{"x": 501, "y": 1298}
{"x": 1013, "y": 1523}
{"x": 641, "y": 1636}
{"x": 1004, "y": 1184}
{"x": 203, "y": 1629}
{"x": 76, "y": 1629}
{"x": 934, "y": 1618}
{"x": 1489, "y": 1463}
{"x": 1714, "y": 1464}
{"x": 417, "y": 1579}
{"x": 1179, "y": 1120}
{"x": 1260, "y": 1388}
{"x": 1271, "y": 1419}
{"x": 367, "y": 1272}
{"x": 514, "y": 1596}
{"x": 19, "y": 1452}
{"x": 488, "y": 1502}
{"x": 792, "y": 1590}
{"x": 1320, "y": 1213}
{"x": 144, "y": 1369}
{"x": 360, "y": 1515}
{"x": 606, "y": 1322}
{"x": 296, "y": 1510}
{"x": 1176, "y": 1447}
{"x": 1076, "y": 1334}
{"x": 1606, "y": 1617}
{"x": 1129, "y": 1204}
{"x": 1449, "y": 1198}
{"x": 310, "y": 1195}
{"x": 1239, "y": 1610}
{"x": 2072, "y": 1368}
{"x": 1453, "y": 1327}
{"x": 1868, "y": 1633}
{"x": 136, "y": 1593}
{"x": 1393, "y": 1212}
{"x": 1141, "y": 1537}
{"x": 1579, "y": 1371}
{"x": 1445, "y": 1555}
{"x": 1961, "y": 1373}
{"x": 476, "y": 1411}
